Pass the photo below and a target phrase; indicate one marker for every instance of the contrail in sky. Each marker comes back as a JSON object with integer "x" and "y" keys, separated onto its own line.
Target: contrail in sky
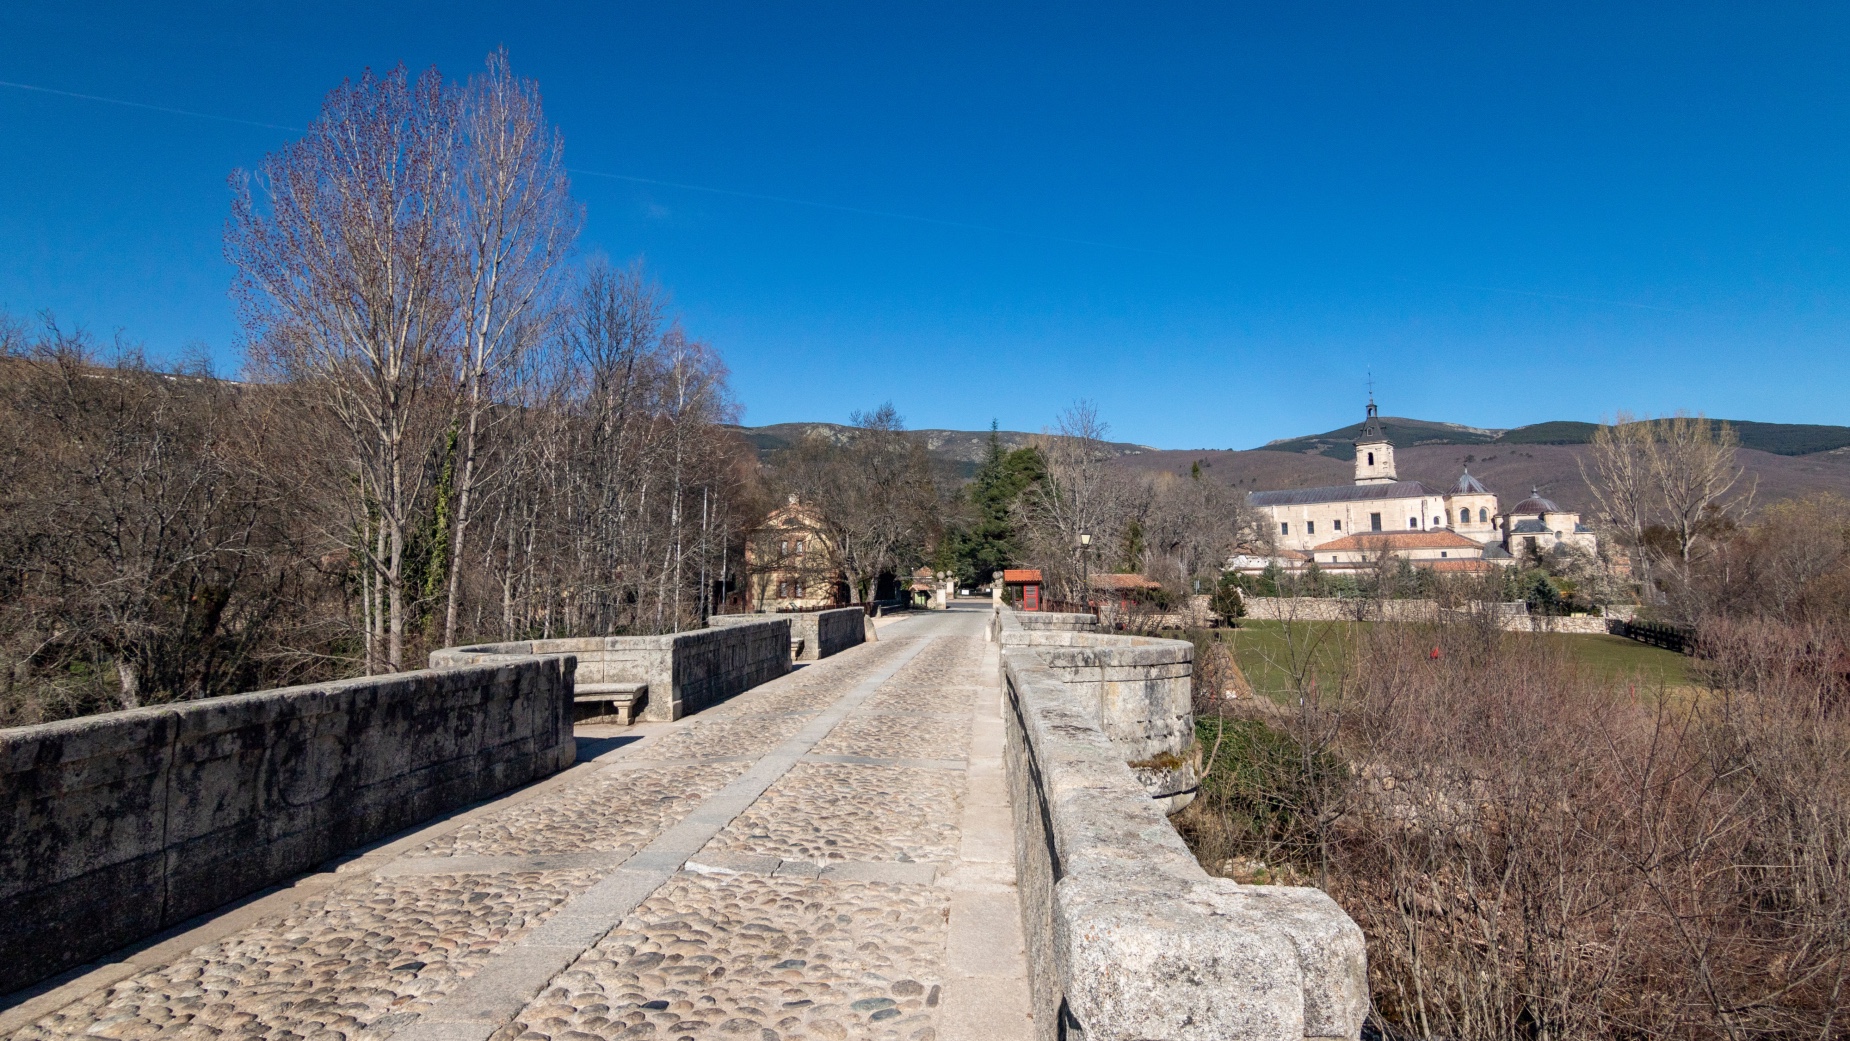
{"x": 150, "y": 108}
{"x": 813, "y": 204}
{"x": 888, "y": 214}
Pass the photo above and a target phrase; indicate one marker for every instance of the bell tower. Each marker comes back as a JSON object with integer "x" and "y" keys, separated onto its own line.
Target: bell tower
{"x": 1374, "y": 453}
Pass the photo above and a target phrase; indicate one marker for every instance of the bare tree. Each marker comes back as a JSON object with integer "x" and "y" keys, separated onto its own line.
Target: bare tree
{"x": 1692, "y": 464}
{"x": 147, "y": 557}
{"x": 1622, "y": 484}
{"x": 1192, "y": 526}
{"x": 514, "y": 221}
{"x": 1081, "y": 495}
{"x": 873, "y": 494}
{"x": 346, "y": 281}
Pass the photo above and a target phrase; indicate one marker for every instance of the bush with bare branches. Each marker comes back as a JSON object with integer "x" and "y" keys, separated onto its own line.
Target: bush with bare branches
{"x": 1535, "y": 851}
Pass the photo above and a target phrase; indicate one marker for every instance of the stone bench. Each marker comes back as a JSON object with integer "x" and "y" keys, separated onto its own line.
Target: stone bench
{"x": 623, "y": 700}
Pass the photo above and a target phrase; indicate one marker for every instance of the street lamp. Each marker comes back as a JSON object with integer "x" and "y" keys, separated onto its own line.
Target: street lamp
{"x": 1085, "y": 565}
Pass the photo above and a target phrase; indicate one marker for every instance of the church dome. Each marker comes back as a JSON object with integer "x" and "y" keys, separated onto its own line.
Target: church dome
{"x": 1469, "y": 485}
{"x": 1535, "y": 504}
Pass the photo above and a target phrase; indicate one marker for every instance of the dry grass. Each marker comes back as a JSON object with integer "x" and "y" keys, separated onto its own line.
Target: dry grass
{"x": 1538, "y": 850}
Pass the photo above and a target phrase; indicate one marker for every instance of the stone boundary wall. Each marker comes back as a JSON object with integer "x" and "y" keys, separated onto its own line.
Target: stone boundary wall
{"x": 1513, "y": 618}
{"x": 823, "y": 632}
{"x": 686, "y": 672}
{"x": 1330, "y": 609}
{"x": 116, "y": 826}
{"x": 1128, "y": 938}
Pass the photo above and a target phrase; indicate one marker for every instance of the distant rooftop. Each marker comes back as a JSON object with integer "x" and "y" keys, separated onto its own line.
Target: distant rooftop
{"x": 1341, "y": 493}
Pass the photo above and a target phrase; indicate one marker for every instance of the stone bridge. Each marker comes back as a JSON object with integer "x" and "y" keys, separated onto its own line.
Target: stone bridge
{"x": 941, "y": 834}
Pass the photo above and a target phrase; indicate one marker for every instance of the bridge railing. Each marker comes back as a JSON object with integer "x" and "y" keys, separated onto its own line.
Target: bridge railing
{"x": 116, "y": 826}
{"x": 1127, "y": 936}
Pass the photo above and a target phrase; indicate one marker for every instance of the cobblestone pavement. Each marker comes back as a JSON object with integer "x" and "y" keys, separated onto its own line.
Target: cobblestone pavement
{"x": 334, "y": 968}
{"x": 807, "y": 860}
{"x": 759, "y": 958}
{"x": 620, "y": 811}
{"x": 830, "y": 811}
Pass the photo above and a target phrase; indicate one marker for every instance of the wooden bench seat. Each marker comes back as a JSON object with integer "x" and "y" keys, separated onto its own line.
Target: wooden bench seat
{"x": 624, "y": 700}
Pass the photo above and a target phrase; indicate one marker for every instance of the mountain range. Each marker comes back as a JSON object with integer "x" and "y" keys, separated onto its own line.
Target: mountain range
{"x": 1783, "y": 460}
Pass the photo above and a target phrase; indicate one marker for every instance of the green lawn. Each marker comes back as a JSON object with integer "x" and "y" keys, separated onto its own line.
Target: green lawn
{"x": 1270, "y": 653}
{"x": 1616, "y": 656}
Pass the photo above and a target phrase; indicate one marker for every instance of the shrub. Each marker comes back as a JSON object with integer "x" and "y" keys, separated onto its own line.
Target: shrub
{"x": 1534, "y": 850}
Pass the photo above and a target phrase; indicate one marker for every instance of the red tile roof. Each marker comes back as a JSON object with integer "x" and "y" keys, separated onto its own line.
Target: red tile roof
{"x": 1021, "y": 576}
{"x": 1398, "y": 540}
{"x": 1124, "y": 582}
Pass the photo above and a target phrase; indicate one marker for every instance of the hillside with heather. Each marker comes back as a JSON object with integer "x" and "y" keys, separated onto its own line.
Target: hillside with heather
{"x": 1510, "y": 470}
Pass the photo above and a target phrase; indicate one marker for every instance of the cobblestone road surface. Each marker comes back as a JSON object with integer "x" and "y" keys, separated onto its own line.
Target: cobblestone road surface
{"x": 826, "y": 856}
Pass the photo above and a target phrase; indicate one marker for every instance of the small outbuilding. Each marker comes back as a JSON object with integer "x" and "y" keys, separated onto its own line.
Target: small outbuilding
{"x": 1023, "y": 587}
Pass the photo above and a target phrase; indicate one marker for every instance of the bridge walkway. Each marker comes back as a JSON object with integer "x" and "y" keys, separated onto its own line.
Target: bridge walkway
{"x": 828, "y": 855}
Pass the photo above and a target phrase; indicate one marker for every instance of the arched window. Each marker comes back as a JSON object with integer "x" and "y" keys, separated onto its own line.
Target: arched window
{"x": 1464, "y": 515}
{"x": 1483, "y": 515}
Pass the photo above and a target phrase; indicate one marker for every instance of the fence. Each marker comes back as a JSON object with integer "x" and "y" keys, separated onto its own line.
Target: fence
{"x": 1679, "y": 638}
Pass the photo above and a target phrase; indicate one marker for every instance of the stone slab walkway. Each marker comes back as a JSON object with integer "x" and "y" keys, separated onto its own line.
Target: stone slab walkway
{"x": 827, "y": 856}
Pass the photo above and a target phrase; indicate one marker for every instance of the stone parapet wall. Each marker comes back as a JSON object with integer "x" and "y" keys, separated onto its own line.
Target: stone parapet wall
{"x": 1139, "y": 689}
{"x": 116, "y": 826}
{"x": 1032, "y": 621}
{"x": 686, "y": 672}
{"x": 822, "y": 633}
{"x": 1128, "y": 938}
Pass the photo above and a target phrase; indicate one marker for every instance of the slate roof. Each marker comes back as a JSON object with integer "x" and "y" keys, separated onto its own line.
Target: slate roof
{"x": 1530, "y": 527}
{"x": 1469, "y": 485}
{"x": 1342, "y": 493}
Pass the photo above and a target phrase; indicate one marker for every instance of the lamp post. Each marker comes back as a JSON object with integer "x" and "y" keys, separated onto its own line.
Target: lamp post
{"x": 1085, "y": 567}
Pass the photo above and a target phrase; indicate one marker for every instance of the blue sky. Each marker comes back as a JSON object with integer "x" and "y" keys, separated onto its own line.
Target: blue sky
{"x": 1214, "y": 221}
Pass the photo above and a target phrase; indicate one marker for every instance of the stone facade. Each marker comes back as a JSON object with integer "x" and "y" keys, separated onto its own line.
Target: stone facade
{"x": 1127, "y": 936}
{"x": 119, "y": 825}
{"x": 686, "y": 672}
{"x": 1340, "y": 526}
{"x": 790, "y": 562}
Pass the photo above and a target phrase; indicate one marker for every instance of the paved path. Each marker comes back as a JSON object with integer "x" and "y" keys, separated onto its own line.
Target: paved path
{"x": 826, "y": 856}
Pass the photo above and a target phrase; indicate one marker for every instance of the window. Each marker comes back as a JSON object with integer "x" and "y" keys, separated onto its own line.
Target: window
{"x": 1438, "y": 522}
{"x": 1443, "y": 553}
{"x": 1284, "y": 528}
{"x": 800, "y": 546}
{"x": 1371, "y": 458}
{"x": 1414, "y": 523}
{"x": 1464, "y": 516}
{"x": 796, "y": 586}
{"x": 1374, "y": 522}
{"x": 784, "y": 546}
{"x": 1336, "y": 525}
{"x": 1483, "y": 515}
{"x": 1310, "y": 527}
